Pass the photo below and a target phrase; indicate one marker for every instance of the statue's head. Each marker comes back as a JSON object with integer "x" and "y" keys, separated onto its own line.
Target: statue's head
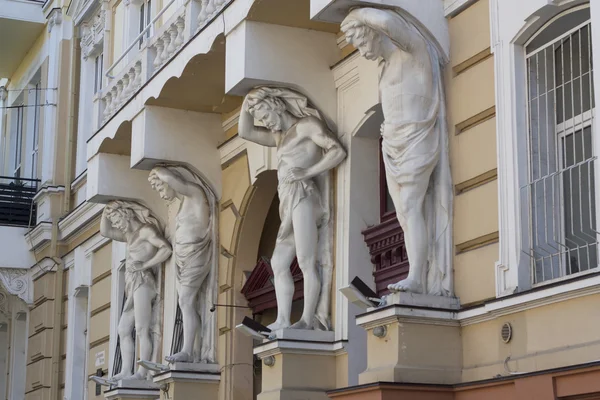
{"x": 267, "y": 109}
{"x": 164, "y": 190}
{"x": 364, "y": 38}
{"x": 119, "y": 217}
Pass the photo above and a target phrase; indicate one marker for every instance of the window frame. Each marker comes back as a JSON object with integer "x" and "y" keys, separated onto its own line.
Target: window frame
{"x": 510, "y": 29}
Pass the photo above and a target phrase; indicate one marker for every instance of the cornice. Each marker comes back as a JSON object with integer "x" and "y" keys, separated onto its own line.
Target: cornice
{"x": 78, "y": 219}
{"x": 39, "y": 236}
{"x": 48, "y": 190}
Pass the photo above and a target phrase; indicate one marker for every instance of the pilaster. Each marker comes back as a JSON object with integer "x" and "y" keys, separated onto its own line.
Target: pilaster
{"x": 298, "y": 364}
{"x": 414, "y": 339}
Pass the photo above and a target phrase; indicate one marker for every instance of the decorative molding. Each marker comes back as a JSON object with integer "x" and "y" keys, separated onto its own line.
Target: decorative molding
{"x": 92, "y": 35}
{"x": 529, "y": 300}
{"x": 55, "y": 18}
{"x": 232, "y": 148}
{"x": 17, "y": 282}
{"x": 454, "y": 7}
{"x": 477, "y": 181}
{"x": 388, "y": 253}
{"x": 259, "y": 289}
{"x": 472, "y": 61}
{"x": 39, "y": 236}
{"x": 475, "y": 120}
{"x": 79, "y": 219}
{"x": 48, "y": 190}
{"x": 231, "y": 121}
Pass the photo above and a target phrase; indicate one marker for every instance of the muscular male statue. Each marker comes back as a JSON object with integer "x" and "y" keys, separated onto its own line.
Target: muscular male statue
{"x": 130, "y": 222}
{"x": 306, "y": 152}
{"x": 414, "y": 141}
{"x": 193, "y": 252}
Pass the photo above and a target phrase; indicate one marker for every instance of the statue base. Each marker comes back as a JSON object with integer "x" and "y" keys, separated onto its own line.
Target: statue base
{"x": 133, "y": 389}
{"x": 298, "y": 364}
{"x": 189, "y": 381}
{"x": 414, "y": 338}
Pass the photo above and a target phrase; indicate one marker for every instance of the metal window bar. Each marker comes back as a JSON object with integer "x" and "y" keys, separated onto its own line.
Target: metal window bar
{"x": 118, "y": 363}
{"x": 177, "y": 343}
{"x": 560, "y": 192}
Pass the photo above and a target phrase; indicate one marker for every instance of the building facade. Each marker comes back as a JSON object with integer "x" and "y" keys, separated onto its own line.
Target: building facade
{"x": 97, "y": 93}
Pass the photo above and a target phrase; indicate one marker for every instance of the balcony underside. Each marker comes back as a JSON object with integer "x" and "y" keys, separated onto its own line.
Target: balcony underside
{"x": 21, "y": 22}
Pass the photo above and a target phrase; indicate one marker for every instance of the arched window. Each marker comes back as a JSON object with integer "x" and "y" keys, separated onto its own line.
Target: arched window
{"x": 558, "y": 195}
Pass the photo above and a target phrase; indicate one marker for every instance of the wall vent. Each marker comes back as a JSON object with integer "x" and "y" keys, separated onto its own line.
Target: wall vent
{"x": 506, "y": 332}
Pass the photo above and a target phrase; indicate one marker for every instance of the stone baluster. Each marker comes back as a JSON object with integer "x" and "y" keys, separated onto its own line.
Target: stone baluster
{"x": 138, "y": 75}
{"x": 125, "y": 84}
{"x": 203, "y": 12}
{"x": 172, "y": 32}
{"x": 167, "y": 41}
{"x": 159, "y": 49}
{"x": 107, "y": 105}
{"x": 180, "y": 24}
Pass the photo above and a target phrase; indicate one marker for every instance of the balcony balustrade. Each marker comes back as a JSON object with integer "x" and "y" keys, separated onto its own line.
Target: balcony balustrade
{"x": 16, "y": 201}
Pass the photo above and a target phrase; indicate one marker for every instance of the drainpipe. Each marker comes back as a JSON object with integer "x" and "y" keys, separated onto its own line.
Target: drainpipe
{"x": 58, "y": 299}
{"x": 71, "y": 143}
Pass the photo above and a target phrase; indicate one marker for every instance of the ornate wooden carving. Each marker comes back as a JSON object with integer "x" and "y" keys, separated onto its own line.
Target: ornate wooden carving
{"x": 388, "y": 253}
{"x": 259, "y": 289}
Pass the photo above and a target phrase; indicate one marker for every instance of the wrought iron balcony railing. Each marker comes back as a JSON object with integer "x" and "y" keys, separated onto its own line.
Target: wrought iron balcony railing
{"x": 16, "y": 201}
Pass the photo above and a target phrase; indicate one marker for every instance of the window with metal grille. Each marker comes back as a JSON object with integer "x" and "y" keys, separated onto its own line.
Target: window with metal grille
{"x": 559, "y": 195}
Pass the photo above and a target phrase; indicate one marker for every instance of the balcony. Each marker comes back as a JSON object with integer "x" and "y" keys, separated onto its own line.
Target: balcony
{"x": 17, "y": 214}
{"x": 21, "y": 22}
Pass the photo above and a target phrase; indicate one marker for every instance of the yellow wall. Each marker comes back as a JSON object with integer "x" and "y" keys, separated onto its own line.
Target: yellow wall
{"x": 543, "y": 338}
{"x": 99, "y": 329}
{"x": 472, "y": 134}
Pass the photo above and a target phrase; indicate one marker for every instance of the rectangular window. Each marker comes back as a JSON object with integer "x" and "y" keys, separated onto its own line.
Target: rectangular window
{"x": 36, "y": 131}
{"x": 17, "y": 139}
{"x": 560, "y": 191}
{"x": 145, "y": 19}
{"x": 98, "y": 69}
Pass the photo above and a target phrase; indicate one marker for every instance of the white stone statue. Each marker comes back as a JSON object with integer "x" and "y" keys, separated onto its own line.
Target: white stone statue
{"x": 415, "y": 142}
{"x": 195, "y": 261}
{"x": 306, "y": 153}
{"x": 147, "y": 249}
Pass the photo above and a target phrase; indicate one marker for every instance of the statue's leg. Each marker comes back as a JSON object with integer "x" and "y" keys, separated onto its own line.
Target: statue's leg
{"x": 142, "y": 300}
{"x": 306, "y": 236}
{"x": 127, "y": 344}
{"x": 408, "y": 201}
{"x": 283, "y": 255}
{"x": 191, "y": 323}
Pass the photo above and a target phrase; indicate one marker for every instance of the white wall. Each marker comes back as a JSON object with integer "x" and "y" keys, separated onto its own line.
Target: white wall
{"x": 14, "y": 250}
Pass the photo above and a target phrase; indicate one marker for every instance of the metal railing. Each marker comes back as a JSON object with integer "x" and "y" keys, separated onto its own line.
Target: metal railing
{"x": 16, "y": 201}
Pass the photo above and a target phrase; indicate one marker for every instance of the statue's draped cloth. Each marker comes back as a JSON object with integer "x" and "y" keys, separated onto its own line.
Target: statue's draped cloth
{"x": 317, "y": 190}
{"x": 195, "y": 267}
{"x": 135, "y": 278}
{"x": 418, "y": 150}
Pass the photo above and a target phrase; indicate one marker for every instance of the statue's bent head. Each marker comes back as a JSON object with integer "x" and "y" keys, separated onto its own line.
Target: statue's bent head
{"x": 363, "y": 38}
{"x": 265, "y": 108}
{"x": 164, "y": 190}
{"x": 118, "y": 217}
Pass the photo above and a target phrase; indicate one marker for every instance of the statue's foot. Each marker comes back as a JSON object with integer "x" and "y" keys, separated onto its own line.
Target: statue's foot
{"x": 302, "y": 325}
{"x": 279, "y": 325}
{"x": 182, "y": 356}
{"x": 407, "y": 285}
{"x": 119, "y": 376}
{"x": 138, "y": 376}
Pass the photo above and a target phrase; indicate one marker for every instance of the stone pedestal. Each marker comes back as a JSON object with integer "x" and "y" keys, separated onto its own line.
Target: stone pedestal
{"x": 189, "y": 381}
{"x": 133, "y": 390}
{"x": 413, "y": 339}
{"x": 298, "y": 364}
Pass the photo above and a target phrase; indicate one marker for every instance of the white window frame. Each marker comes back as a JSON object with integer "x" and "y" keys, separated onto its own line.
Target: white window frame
{"x": 512, "y": 25}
